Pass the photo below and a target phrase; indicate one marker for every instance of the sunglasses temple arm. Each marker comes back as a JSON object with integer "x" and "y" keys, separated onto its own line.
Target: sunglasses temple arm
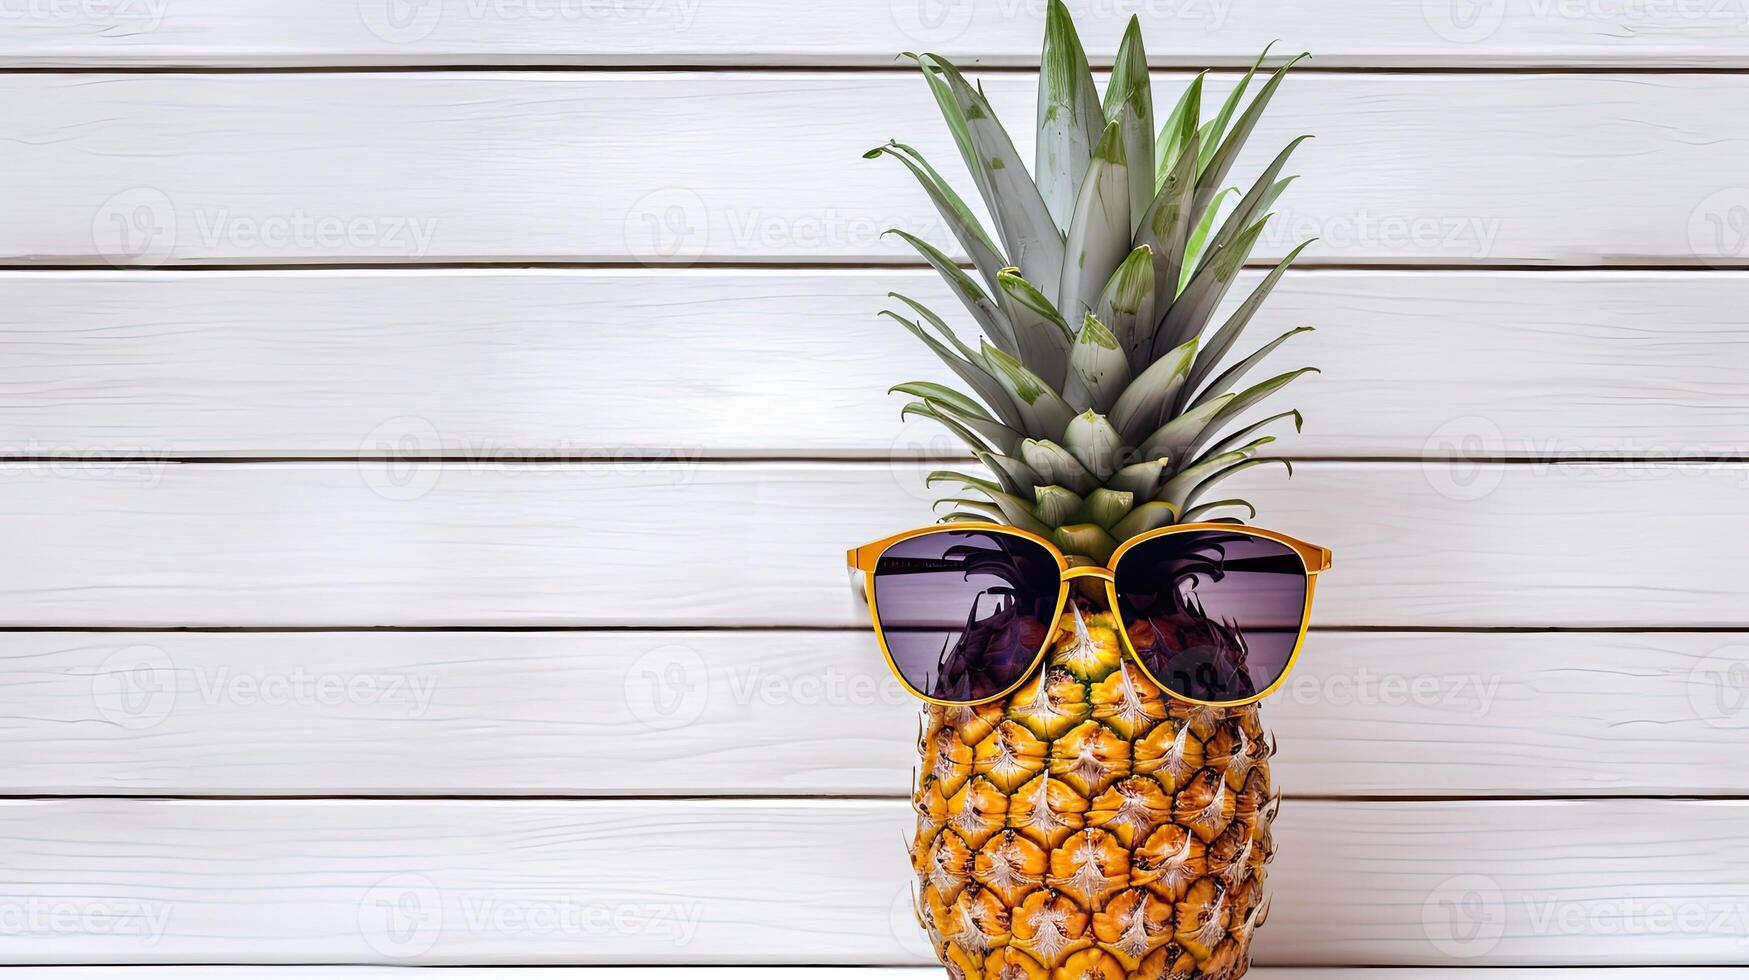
{"x": 859, "y": 585}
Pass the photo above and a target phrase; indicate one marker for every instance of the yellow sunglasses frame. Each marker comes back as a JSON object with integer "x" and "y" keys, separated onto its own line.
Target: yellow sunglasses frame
{"x": 864, "y": 560}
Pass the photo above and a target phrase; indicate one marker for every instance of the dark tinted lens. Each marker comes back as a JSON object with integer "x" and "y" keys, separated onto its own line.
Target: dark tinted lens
{"x": 1214, "y": 615}
{"x": 965, "y": 613}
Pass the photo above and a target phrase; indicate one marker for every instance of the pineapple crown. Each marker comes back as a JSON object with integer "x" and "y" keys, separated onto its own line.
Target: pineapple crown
{"x": 1093, "y": 399}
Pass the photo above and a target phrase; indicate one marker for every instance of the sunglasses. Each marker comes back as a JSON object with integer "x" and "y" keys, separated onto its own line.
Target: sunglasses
{"x": 1213, "y": 614}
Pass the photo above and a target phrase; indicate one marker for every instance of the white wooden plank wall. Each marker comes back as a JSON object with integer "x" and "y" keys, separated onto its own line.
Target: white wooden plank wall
{"x": 374, "y": 600}
{"x": 439, "y": 166}
{"x": 753, "y": 33}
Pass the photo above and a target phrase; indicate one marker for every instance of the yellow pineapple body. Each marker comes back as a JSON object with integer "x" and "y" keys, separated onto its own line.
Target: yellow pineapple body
{"x": 1088, "y": 828}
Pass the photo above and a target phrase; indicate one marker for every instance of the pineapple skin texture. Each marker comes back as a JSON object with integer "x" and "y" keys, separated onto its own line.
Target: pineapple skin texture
{"x": 1087, "y": 828}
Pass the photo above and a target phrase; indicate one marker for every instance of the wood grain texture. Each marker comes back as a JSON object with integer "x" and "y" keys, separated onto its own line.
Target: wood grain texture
{"x": 860, "y": 32}
{"x": 148, "y": 169}
{"x": 586, "y": 362}
{"x": 493, "y": 544}
{"x": 800, "y": 713}
{"x": 710, "y": 882}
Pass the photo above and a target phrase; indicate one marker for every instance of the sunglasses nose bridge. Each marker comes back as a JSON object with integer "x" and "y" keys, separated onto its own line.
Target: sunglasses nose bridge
{"x": 1088, "y": 571}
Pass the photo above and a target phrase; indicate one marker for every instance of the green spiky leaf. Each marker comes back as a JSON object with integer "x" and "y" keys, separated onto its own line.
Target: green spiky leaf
{"x": 999, "y": 436}
{"x": 1144, "y": 405}
{"x": 1244, "y": 400}
{"x": 1089, "y": 540}
{"x": 1238, "y": 437}
{"x": 1069, "y": 116}
{"x": 1092, "y": 440}
{"x": 965, "y": 225}
{"x": 1098, "y": 370}
{"x": 930, "y": 391}
{"x": 1038, "y": 403}
{"x": 1224, "y": 338}
{"x": 1231, "y": 376}
{"x": 991, "y": 320}
{"x": 1054, "y": 464}
{"x": 1151, "y": 515}
{"x": 1201, "y": 512}
{"x": 1206, "y": 290}
{"x": 1017, "y": 512}
{"x": 1174, "y": 439}
{"x": 1129, "y": 102}
{"x": 1040, "y": 334}
{"x": 1178, "y": 132}
{"x": 1216, "y": 168}
{"x": 1165, "y": 231}
{"x": 965, "y": 433}
{"x": 1099, "y": 235}
{"x": 1140, "y": 480}
{"x": 1195, "y": 252}
{"x": 1258, "y": 200}
{"x": 1056, "y": 505}
{"x": 1030, "y": 236}
{"x": 1208, "y": 484}
{"x": 966, "y": 480}
{"x": 1217, "y": 127}
{"x": 973, "y": 374}
{"x": 1179, "y": 487}
{"x": 1126, "y": 304}
{"x": 1014, "y": 475}
{"x": 1105, "y": 507}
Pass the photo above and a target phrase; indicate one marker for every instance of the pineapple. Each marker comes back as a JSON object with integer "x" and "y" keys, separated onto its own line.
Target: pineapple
{"x": 1087, "y": 826}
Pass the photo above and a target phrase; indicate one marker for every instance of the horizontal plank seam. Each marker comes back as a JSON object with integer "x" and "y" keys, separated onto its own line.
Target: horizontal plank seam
{"x": 1273, "y": 968}
{"x": 818, "y": 628}
{"x": 412, "y": 798}
{"x": 1385, "y": 67}
{"x": 1300, "y": 268}
{"x": 535, "y": 456}
{"x": 1723, "y": 265}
